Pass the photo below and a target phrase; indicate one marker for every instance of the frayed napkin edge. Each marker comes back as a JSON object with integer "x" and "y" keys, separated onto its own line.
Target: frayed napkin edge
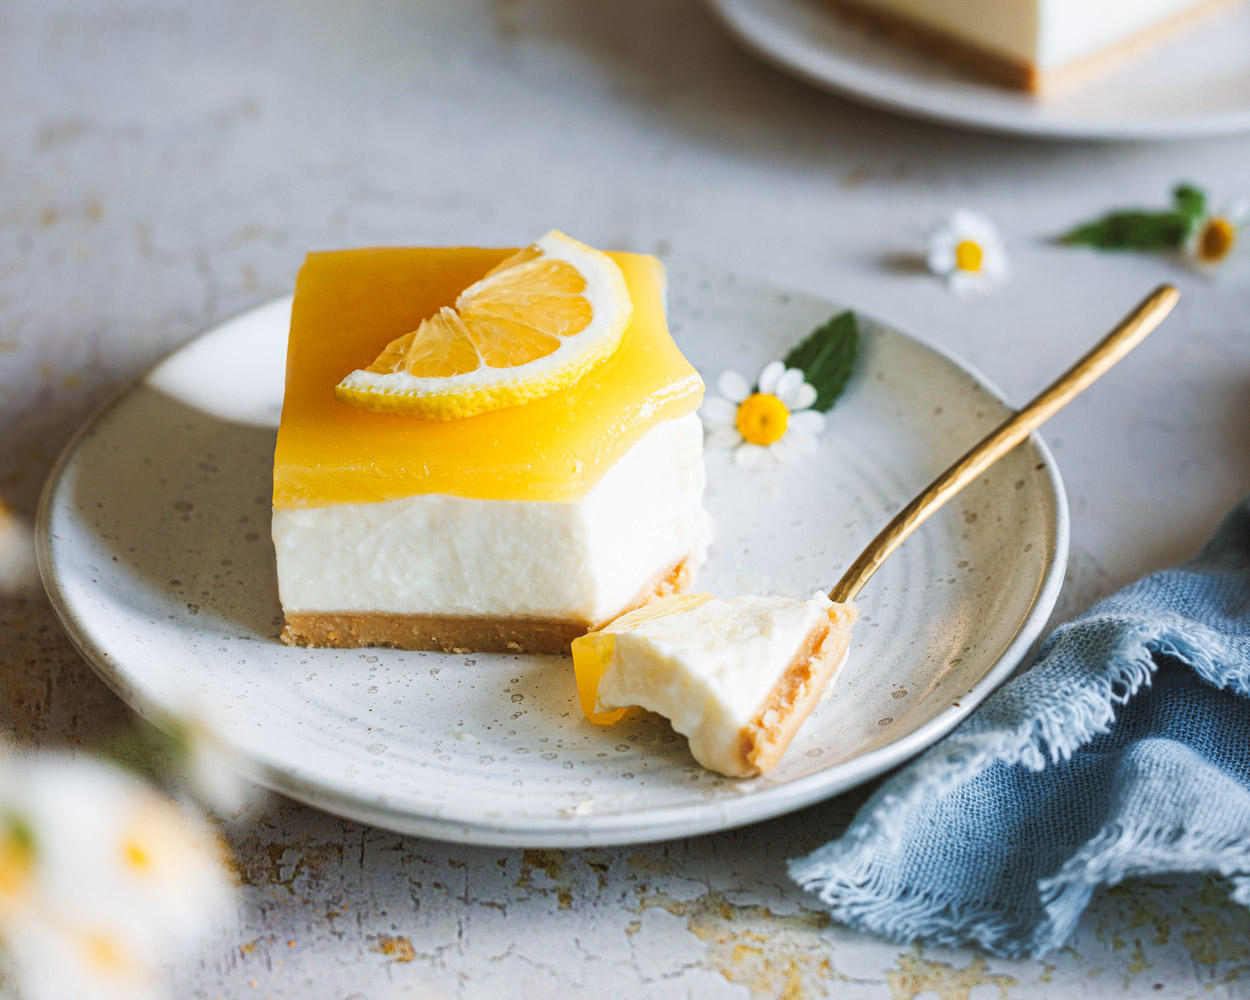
{"x": 1073, "y": 711}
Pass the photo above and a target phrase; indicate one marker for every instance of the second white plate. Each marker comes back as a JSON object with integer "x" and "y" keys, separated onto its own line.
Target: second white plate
{"x": 1197, "y": 84}
{"x": 154, "y": 544}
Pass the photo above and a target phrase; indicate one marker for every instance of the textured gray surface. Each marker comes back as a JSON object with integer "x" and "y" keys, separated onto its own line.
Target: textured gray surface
{"x": 163, "y": 164}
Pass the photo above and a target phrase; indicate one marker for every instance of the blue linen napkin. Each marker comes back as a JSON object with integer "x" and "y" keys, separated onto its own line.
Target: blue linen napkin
{"x": 1124, "y": 751}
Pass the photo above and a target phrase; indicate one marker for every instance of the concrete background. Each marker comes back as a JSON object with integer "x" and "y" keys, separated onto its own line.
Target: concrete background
{"x": 165, "y": 163}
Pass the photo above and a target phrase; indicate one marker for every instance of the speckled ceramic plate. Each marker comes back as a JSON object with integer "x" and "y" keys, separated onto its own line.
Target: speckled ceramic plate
{"x": 1196, "y": 84}
{"x": 154, "y": 545}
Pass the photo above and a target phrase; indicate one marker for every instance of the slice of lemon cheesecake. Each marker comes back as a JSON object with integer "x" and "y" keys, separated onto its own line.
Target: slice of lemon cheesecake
{"x": 482, "y": 449}
{"x": 1034, "y": 45}
{"x": 737, "y": 677}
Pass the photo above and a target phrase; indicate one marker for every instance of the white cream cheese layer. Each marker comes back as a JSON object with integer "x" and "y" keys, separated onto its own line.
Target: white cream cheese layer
{"x": 709, "y": 666}
{"x": 584, "y": 560}
{"x": 1048, "y": 34}
{"x": 1070, "y": 30}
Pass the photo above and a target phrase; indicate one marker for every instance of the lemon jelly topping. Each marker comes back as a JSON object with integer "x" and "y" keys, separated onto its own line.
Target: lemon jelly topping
{"x": 349, "y": 304}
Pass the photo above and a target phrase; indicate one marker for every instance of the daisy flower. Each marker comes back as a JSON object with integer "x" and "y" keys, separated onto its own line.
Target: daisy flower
{"x": 967, "y": 251}
{"x": 103, "y": 882}
{"x": 774, "y": 419}
{"x": 1215, "y": 235}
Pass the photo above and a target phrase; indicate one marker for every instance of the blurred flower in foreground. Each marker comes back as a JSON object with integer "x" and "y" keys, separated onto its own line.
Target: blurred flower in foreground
{"x": 186, "y": 748}
{"x": 103, "y": 881}
{"x": 967, "y": 251}
{"x": 212, "y": 770}
{"x": 18, "y": 571}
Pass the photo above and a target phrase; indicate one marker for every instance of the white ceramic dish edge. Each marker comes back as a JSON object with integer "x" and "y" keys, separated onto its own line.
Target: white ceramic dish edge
{"x": 660, "y": 823}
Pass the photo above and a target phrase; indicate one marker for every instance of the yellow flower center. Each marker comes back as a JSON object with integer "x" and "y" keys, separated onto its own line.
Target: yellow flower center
{"x": 969, "y": 256}
{"x": 102, "y": 951}
{"x": 17, "y": 864}
{"x": 136, "y": 855}
{"x": 762, "y": 418}
{"x": 1216, "y": 240}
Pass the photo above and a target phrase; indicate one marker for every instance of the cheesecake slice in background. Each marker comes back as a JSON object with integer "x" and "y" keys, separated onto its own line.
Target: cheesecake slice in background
{"x": 1034, "y": 45}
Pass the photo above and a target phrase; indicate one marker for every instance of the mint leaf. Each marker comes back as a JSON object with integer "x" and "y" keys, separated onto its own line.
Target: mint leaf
{"x": 1190, "y": 202}
{"x": 1132, "y": 230}
{"x": 827, "y": 357}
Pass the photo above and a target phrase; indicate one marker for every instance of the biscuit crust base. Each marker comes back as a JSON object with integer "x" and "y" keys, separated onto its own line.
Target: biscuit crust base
{"x": 459, "y": 633}
{"x": 1025, "y": 75}
{"x": 767, "y": 736}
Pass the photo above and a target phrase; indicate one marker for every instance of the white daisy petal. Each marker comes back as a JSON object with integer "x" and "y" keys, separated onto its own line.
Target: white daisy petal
{"x": 806, "y": 422}
{"x": 723, "y": 437}
{"x": 733, "y": 386}
{"x": 717, "y": 412}
{"x": 804, "y": 396}
{"x": 748, "y": 454}
{"x": 992, "y": 240}
{"x": 769, "y": 376}
{"x": 788, "y": 385}
{"x": 974, "y": 226}
{"x": 784, "y": 450}
{"x": 994, "y": 267}
{"x": 941, "y": 258}
{"x": 965, "y": 284}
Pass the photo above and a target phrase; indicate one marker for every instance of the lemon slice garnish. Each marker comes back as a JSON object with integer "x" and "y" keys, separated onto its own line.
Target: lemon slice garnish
{"x": 534, "y": 325}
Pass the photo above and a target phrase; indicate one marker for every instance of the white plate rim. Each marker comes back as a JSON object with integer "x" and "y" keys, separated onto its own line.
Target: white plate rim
{"x": 657, "y": 823}
{"x": 883, "y": 89}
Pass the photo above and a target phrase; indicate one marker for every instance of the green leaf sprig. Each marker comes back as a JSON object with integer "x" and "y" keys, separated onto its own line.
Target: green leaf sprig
{"x": 827, "y": 358}
{"x": 1138, "y": 229}
{"x": 16, "y": 830}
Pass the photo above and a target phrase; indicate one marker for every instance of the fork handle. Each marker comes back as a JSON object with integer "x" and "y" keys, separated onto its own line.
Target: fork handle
{"x": 1130, "y": 332}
